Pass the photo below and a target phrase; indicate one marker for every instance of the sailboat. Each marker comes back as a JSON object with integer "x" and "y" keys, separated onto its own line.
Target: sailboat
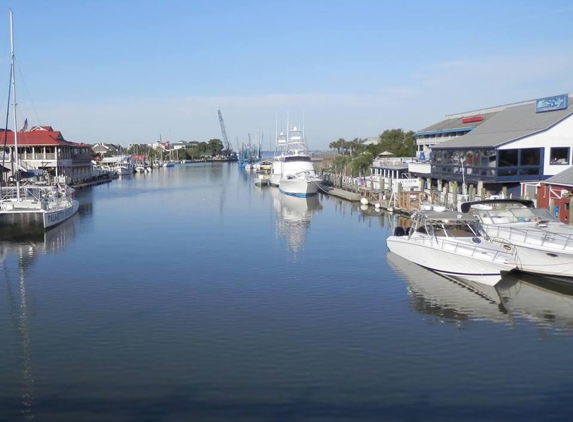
{"x": 25, "y": 203}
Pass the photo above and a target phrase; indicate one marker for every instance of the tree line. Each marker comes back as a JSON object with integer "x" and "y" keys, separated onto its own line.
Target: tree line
{"x": 356, "y": 157}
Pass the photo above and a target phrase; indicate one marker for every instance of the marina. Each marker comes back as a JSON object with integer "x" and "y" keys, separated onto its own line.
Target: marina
{"x": 234, "y": 302}
{"x": 286, "y": 212}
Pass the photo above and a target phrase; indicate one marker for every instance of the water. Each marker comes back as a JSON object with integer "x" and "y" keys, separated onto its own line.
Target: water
{"x": 190, "y": 294}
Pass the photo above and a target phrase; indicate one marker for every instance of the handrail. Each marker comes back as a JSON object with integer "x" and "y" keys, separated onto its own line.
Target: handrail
{"x": 544, "y": 237}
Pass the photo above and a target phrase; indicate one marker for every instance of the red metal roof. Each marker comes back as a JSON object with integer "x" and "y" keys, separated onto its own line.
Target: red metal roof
{"x": 35, "y": 138}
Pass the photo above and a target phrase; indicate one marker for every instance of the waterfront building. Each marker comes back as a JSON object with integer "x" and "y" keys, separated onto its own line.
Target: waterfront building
{"x": 555, "y": 194}
{"x": 43, "y": 149}
{"x": 506, "y": 148}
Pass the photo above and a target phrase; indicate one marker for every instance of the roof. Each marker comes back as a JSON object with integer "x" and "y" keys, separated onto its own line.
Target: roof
{"x": 455, "y": 124}
{"x": 36, "y": 138}
{"x": 507, "y": 125}
{"x": 564, "y": 178}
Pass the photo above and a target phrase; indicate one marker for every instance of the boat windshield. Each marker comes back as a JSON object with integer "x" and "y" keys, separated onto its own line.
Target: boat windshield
{"x": 514, "y": 215}
{"x": 455, "y": 229}
{"x": 297, "y": 158}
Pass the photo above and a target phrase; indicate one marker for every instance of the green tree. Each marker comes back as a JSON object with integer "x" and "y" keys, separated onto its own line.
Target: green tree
{"x": 398, "y": 142}
{"x": 340, "y": 163}
{"x": 215, "y": 146}
{"x": 338, "y": 145}
{"x": 361, "y": 163}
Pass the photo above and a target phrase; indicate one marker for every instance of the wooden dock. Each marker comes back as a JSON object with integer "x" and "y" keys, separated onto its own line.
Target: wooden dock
{"x": 90, "y": 183}
{"x": 340, "y": 193}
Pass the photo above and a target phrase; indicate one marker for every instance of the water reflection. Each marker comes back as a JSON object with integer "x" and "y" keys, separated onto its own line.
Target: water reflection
{"x": 540, "y": 300}
{"x": 447, "y": 300}
{"x": 293, "y": 217}
{"x": 25, "y": 248}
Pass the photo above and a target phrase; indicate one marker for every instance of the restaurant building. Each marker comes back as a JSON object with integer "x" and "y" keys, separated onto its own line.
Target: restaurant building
{"x": 503, "y": 148}
{"x": 43, "y": 149}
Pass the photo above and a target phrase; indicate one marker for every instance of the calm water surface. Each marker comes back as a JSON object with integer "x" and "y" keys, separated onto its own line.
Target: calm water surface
{"x": 190, "y": 294}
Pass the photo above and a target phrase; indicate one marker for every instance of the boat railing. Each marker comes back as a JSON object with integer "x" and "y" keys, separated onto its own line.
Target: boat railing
{"x": 480, "y": 249}
{"x": 534, "y": 237}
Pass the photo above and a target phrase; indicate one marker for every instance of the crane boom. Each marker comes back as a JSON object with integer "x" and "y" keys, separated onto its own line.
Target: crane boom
{"x": 224, "y": 133}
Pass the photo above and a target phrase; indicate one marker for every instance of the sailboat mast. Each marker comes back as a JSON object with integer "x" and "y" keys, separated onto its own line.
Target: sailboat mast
{"x": 14, "y": 103}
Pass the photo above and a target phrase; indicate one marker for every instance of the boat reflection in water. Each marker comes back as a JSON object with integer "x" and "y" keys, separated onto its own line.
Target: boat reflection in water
{"x": 293, "y": 217}
{"x": 517, "y": 295}
{"x": 25, "y": 249}
{"x": 542, "y": 300}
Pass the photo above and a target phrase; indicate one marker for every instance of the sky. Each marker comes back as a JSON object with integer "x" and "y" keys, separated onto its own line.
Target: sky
{"x": 137, "y": 71}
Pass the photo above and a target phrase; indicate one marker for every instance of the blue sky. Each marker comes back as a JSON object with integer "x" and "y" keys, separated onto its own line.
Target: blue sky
{"x": 129, "y": 71}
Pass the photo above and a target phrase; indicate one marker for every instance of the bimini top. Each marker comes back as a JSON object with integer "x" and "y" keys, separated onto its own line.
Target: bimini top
{"x": 466, "y": 206}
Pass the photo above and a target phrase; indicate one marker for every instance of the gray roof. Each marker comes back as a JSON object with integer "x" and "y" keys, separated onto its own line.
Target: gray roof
{"x": 564, "y": 178}
{"x": 508, "y": 125}
{"x": 456, "y": 123}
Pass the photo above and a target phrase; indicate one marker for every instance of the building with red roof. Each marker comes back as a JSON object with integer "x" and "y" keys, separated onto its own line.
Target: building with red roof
{"x": 43, "y": 148}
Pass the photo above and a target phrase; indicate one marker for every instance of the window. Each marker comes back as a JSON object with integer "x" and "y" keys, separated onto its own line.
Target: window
{"x": 559, "y": 155}
{"x": 531, "y": 157}
{"x": 508, "y": 158}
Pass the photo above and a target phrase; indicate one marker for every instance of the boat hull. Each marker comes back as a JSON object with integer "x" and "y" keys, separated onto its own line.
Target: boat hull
{"x": 542, "y": 252}
{"x": 446, "y": 262}
{"x": 299, "y": 187}
{"x": 54, "y": 217}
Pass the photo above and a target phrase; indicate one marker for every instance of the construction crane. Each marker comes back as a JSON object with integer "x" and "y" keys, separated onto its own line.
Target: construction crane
{"x": 224, "y": 133}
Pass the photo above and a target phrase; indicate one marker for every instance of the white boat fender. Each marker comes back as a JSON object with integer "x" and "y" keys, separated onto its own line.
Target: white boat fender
{"x": 364, "y": 201}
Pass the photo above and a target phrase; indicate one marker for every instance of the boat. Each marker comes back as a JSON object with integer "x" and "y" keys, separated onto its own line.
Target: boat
{"x": 278, "y": 160}
{"x": 27, "y": 203}
{"x": 452, "y": 244}
{"x": 297, "y": 173}
{"x": 120, "y": 165}
{"x": 263, "y": 173}
{"x": 543, "y": 244}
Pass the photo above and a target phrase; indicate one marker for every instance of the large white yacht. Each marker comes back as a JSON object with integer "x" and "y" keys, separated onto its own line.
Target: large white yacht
{"x": 543, "y": 244}
{"x": 278, "y": 160}
{"x": 452, "y": 244}
{"x": 297, "y": 173}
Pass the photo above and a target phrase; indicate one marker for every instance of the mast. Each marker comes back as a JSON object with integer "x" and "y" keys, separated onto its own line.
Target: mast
{"x": 14, "y": 103}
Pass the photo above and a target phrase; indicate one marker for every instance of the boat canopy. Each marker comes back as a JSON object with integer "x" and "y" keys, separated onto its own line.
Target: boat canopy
{"x": 446, "y": 215}
{"x": 466, "y": 206}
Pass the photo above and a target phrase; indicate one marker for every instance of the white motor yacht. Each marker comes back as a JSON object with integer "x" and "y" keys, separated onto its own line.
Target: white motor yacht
{"x": 543, "y": 244}
{"x": 452, "y": 244}
{"x": 297, "y": 173}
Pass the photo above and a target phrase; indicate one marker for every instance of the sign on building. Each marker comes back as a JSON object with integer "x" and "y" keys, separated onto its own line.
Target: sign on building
{"x": 559, "y": 102}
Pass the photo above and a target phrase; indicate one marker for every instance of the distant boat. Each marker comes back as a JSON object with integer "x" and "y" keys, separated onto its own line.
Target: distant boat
{"x": 276, "y": 172}
{"x": 28, "y": 203}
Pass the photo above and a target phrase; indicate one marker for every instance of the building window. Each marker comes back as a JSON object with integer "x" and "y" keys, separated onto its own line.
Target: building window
{"x": 508, "y": 158}
{"x": 559, "y": 155}
{"x": 531, "y": 157}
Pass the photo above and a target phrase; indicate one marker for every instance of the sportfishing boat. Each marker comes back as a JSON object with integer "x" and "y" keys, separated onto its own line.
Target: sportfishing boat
{"x": 278, "y": 160}
{"x": 452, "y": 244}
{"x": 25, "y": 203}
{"x": 297, "y": 173}
{"x": 543, "y": 244}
